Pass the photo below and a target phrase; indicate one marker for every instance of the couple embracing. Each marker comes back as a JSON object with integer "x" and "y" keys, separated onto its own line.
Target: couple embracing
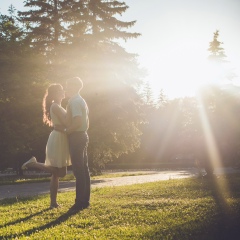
{"x": 67, "y": 143}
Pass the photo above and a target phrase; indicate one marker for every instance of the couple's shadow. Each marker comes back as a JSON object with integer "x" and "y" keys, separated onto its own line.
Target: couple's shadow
{"x": 23, "y": 219}
{"x": 53, "y": 223}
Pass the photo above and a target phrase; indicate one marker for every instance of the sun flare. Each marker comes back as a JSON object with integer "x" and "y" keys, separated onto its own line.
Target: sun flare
{"x": 181, "y": 72}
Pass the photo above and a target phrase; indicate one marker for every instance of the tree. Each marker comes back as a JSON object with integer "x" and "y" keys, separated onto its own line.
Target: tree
{"x": 162, "y": 99}
{"x": 59, "y": 36}
{"x": 43, "y": 23}
{"x": 218, "y": 56}
{"x": 219, "y": 123}
{"x": 111, "y": 76}
{"x": 21, "y": 89}
{"x": 147, "y": 94}
{"x": 11, "y": 33}
{"x": 217, "y": 53}
{"x": 103, "y": 25}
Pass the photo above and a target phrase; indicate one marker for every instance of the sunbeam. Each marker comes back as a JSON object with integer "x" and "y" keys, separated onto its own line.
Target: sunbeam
{"x": 167, "y": 136}
{"x": 212, "y": 150}
{"x": 213, "y": 153}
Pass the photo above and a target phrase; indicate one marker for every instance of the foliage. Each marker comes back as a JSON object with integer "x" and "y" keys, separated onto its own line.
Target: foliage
{"x": 173, "y": 209}
{"x": 220, "y": 109}
{"x": 190, "y": 129}
{"x": 42, "y": 24}
{"x": 178, "y": 130}
{"x": 218, "y": 57}
{"x": 55, "y": 40}
{"x": 216, "y": 51}
{"x": 21, "y": 85}
{"x": 60, "y": 39}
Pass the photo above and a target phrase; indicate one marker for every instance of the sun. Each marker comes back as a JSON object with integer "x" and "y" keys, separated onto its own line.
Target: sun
{"x": 181, "y": 72}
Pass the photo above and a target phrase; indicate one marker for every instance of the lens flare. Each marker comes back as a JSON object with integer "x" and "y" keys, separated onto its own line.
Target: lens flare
{"x": 213, "y": 153}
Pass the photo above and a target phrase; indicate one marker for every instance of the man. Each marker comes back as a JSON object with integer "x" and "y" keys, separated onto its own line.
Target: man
{"x": 77, "y": 114}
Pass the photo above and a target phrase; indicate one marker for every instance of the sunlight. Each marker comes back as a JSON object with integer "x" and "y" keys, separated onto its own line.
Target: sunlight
{"x": 181, "y": 72}
{"x": 212, "y": 150}
{"x": 167, "y": 136}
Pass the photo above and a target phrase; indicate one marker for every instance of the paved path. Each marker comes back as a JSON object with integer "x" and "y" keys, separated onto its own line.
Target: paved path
{"x": 31, "y": 189}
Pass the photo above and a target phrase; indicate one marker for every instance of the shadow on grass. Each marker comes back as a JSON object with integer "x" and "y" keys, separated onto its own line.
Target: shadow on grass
{"x": 228, "y": 216}
{"x": 9, "y": 201}
{"x": 51, "y": 224}
{"x": 224, "y": 224}
{"x": 23, "y": 219}
{"x": 194, "y": 232}
{"x": 96, "y": 181}
{"x": 219, "y": 191}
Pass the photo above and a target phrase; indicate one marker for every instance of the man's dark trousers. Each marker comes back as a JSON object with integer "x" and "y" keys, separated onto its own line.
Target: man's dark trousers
{"x": 78, "y": 142}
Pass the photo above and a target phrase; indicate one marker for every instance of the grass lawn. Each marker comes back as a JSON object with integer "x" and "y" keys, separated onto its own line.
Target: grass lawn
{"x": 173, "y": 209}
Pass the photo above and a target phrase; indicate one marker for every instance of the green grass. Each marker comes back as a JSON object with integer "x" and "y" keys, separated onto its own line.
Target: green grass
{"x": 173, "y": 209}
{"x": 69, "y": 177}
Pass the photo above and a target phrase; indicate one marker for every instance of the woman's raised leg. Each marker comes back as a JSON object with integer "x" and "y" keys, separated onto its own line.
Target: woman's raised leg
{"x": 32, "y": 163}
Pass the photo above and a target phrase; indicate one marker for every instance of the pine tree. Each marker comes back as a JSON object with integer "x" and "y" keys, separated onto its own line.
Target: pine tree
{"x": 75, "y": 19}
{"x": 10, "y": 30}
{"x": 81, "y": 38}
{"x": 21, "y": 85}
{"x": 216, "y": 51}
{"x": 147, "y": 94}
{"x": 105, "y": 31}
{"x": 104, "y": 26}
{"x": 162, "y": 99}
{"x": 217, "y": 54}
{"x": 43, "y": 23}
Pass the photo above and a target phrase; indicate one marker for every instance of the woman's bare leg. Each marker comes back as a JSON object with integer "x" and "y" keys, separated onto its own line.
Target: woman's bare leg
{"x": 53, "y": 190}
{"x": 54, "y": 183}
{"x": 42, "y": 166}
{"x": 32, "y": 163}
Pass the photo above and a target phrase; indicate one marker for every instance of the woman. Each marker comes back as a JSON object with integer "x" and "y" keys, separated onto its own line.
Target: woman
{"x": 57, "y": 150}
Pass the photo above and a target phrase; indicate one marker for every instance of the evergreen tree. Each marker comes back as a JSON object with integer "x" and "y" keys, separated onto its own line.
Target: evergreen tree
{"x": 103, "y": 24}
{"x": 11, "y": 33}
{"x": 218, "y": 56}
{"x": 75, "y": 17}
{"x": 111, "y": 76}
{"x": 147, "y": 94}
{"x": 216, "y": 51}
{"x": 21, "y": 81}
{"x": 162, "y": 99}
{"x": 43, "y": 23}
{"x": 89, "y": 31}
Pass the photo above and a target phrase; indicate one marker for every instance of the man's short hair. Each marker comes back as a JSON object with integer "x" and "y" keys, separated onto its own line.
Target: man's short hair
{"x": 76, "y": 82}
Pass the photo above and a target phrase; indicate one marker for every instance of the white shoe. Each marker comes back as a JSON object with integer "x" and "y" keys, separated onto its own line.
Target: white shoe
{"x": 31, "y": 160}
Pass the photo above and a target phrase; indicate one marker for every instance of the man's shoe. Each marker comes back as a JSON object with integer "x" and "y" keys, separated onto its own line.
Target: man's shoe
{"x": 31, "y": 160}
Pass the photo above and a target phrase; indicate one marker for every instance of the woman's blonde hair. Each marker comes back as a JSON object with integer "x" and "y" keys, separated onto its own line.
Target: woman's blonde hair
{"x": 48, "y": 99}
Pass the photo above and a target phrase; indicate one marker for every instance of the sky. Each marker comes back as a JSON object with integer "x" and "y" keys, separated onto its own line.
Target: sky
{"x": 175, "y": 38}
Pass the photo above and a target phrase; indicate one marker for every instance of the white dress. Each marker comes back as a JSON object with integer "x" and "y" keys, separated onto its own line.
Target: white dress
{"x": 57, "y": 149}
